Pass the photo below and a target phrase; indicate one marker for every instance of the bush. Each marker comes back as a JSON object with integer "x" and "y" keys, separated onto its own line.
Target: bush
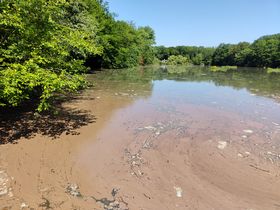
{"x": 177, "y": 60}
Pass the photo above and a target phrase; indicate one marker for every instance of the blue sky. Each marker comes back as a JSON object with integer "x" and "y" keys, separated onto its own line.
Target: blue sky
{"x": 202, "y": 22}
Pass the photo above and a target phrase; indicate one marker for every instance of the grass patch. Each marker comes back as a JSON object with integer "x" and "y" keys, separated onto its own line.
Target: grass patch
{"x": 273, "y": 70}
{"x": 222, "y": 68}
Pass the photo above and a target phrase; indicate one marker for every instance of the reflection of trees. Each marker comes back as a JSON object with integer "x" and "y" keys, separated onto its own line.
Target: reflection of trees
{"x": 136, "y": 81}
{"x": 254, "y": 80}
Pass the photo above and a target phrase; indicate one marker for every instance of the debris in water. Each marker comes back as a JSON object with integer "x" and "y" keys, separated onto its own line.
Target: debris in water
{"x": 4, "y": 183}
{"x": 73, "y": 190}
{"x": 23, "y": 205}
{"x": 114, "y": 192}
{"x": 248, "y": 131}
{"x": 179, "y": 191}
{"x": 151, "y": 128}
{"x": 222, "y": 144}
{"x": 247, "y": 153}
{"x": 240, "y": 155}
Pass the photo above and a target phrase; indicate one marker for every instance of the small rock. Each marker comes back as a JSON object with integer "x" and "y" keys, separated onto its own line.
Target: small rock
{"x": 244, "y": 137}
{"x": 247, "y": 153}
{"x": 179, "y": 191}
{"x": 222, "y": 144}
{"x": 150, "y": 128}
{"x": 240, "y": 155}
{"x": 73, "y": 190}
{"x": 23, "y": 205}
{"x": 4, "y": 181}
{"x": 248, "y": 131}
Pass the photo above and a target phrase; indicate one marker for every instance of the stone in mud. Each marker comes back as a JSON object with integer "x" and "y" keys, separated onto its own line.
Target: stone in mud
{"x": 247, "y": 153}
{"x": 4, "y": 181}
{"x": 240, "y": 155}
{"x": 248, "y": 131}
{"x": 151, "y": 128}
{"x": 23, "y": 206}
{"x": 73, "y": 190}
{"x": 222, "y": 144}
{"x": 179, "y": 191}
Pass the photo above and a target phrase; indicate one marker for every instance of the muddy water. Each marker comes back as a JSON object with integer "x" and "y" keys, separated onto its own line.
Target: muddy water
{"x": 177, "y": 138}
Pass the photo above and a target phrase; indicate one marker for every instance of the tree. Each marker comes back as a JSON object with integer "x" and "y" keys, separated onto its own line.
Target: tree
{"x": 43, "y": 44}
{"x": 266, "y": 51}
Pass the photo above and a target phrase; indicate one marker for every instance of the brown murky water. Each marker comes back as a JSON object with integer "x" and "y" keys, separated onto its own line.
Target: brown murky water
{"x": 177, "y": 138}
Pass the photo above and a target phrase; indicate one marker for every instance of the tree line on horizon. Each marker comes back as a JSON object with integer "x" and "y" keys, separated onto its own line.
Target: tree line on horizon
{"x": 263, "y": 52}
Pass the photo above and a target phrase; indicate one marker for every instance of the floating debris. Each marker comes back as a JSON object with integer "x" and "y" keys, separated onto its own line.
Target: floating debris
{"x": 240, "y": 155}
{"x": 23, "y": 206}
{"x": 248, "y": 131}
{"x": 222, "y": 144}
{"x": 116, "y": 203}
{"x": 73, "y": 189}
{"x": 151, "y": 128}
{"x": 179, "y": 191}
{"x": 247, "y": 153}
{"x": 4, "y": 184}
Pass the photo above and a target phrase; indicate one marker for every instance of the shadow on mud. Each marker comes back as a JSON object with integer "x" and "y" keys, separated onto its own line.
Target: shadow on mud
{"x": 17, "y": 123}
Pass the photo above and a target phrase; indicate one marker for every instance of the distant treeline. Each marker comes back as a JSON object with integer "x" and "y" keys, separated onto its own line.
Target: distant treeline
{"x": 46, "y": 45}
{"x": 264, "y": 52}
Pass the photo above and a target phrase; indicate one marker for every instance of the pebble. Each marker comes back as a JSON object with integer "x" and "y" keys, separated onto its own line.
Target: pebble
{"x": 222, "y": 144}
{"x": 240, "y": 155}
{"x": 73, "y": 190}
{"x": 23, "y": 205}
{"x": 248, "y": 131}
{"x": 150, "y": 128}
{"x": 247, "y": 153}
{"x": 4, "y": 179}
{"x": 179, "y": 191}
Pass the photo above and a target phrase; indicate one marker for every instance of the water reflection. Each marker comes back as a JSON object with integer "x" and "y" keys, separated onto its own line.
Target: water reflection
{"x": 247, "y": 91}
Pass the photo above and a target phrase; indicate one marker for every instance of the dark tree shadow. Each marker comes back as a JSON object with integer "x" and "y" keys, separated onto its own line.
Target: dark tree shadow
{"x": 22, "y": 122}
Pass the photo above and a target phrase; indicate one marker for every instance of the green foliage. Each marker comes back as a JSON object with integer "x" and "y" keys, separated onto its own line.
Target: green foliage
{"x": 264, "y": 52}
{"x": 273, "y": 70}
{"x": 126, "y": 46}
{"x": 222, "y": 68}
{"x": 177, "y": 60}
{"x": 43, "y": 46}
{"x": 196, "y": 55}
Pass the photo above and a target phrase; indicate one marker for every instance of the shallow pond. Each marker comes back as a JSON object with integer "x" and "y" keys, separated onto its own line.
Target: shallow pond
{"x": 211, "y": 138}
